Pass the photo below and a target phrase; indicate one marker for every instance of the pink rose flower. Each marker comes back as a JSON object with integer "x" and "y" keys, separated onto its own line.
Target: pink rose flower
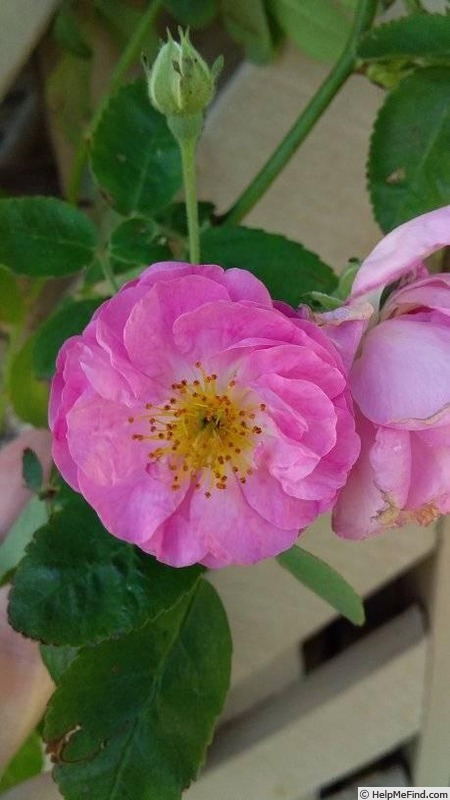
{"x": 201, "y": 423}
{"x": 400, "y": 382}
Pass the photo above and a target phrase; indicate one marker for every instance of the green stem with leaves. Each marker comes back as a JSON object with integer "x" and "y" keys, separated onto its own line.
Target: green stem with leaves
{"x": 343, "y": 68}
{"x": 127, "y": 59}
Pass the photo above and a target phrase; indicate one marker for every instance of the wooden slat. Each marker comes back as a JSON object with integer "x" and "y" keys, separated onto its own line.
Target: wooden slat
{"x": 320, "y": 199}
{"x": 271, "y": 613}
{"x": 432, "y": 766}
{"x": 346, "y": 714}
{"x": 22, "y": 23}
{"x": 40, "y": 788}
{"x": 394, "y": 776}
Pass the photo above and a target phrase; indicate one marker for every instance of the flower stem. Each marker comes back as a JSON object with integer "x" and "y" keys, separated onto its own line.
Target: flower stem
{"x": 188, "y": 148}
{"x": 128, "y": 57}
{"x": 343, "y": 68}
{"x": 187, "y": 129}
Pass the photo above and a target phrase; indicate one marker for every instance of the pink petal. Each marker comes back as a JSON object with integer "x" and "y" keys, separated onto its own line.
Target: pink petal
{"x": 331, "y": 472}
{"x": 134, "y": 510}
{"x": 234, "y": 532}
{"x": 289, "y": 462}
{"x": 403, "y": 250}
{"x": 378, "y": 484}
{"x": 242, "y": 285}
{"x": 429, "y": 293}
{"x": 110, "y": 319}
{"x": 215, "y": 327}
{"x": 170, "y": 270}
{"x": 402, "y": 377}
{"x": 62, "y": 455}
{"x": 148, "y": 331}
{"x": 301, "y": 410}
{"x": 345, "y": 327}
{"x": 112, "y": 455}
{"x": 171, "y": 542}
{"x": 360, "y": 502}
{"x": 430, "y": 470}
{"x": 391, "y": 460}
{"x": 296, "y": 362}
{"x": 228, "y": 530}
{"x": 266, "y": 496}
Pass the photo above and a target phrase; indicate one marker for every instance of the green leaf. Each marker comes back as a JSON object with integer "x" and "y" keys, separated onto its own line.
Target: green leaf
{"x": 416, "y": 36}
{"x": 324, "y": 581}
{"x": 28, "y": 395}
{"x": 409, "y": 160}
{"x": 32, "y": 472}
{"x": 135, "y": 158}
{"x": 90, "y": 585}
{"x": 287, "y": 268}
{"x": 136, "y": 244}
{"x": 44, "y": 237}
{"x": 319, "y": 27}
{"x": 12, "y": 307}
{"x": 57, "y": 659}
{"x": 27, "y": 762}
{"x": 195, "y": 13}
{"x": 69, "y": 34}
{"x": 12, "y": 549}
{"x": 248, "y": 24}
{"x": 132, "y": 717}
{"x": 70, "y": 318}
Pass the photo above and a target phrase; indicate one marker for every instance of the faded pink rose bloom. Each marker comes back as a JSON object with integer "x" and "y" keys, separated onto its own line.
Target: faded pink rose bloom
{"x": 201, "y": 423}
{"x": 400, "y": 383}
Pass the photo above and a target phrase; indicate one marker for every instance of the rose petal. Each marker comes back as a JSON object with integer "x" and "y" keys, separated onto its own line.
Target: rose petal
{"x": 345, "y": 327}
{"x": 220, "y": 521}
{"x": 133, "y": 511}
{"x": 402, "y": 377}
{"x": 403, "y": 250}
{"x": 430, "y": 468}
{"x": 148, "y": 331}
{"x": 360, "y": 502}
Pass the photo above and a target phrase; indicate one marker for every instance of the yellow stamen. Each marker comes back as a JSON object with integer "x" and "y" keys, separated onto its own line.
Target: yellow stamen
{"x": 205, "y": 430}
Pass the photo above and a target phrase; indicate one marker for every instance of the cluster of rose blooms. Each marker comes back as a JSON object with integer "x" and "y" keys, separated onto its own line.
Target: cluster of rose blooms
{"x": 205, "y": 422}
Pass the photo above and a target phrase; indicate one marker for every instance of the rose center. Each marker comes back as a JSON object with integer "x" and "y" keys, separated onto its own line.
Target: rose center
{"x": 206, "y": 431}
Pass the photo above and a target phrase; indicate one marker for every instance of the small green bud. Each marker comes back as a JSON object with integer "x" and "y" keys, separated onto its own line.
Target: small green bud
{"x": 180, "y": 81}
